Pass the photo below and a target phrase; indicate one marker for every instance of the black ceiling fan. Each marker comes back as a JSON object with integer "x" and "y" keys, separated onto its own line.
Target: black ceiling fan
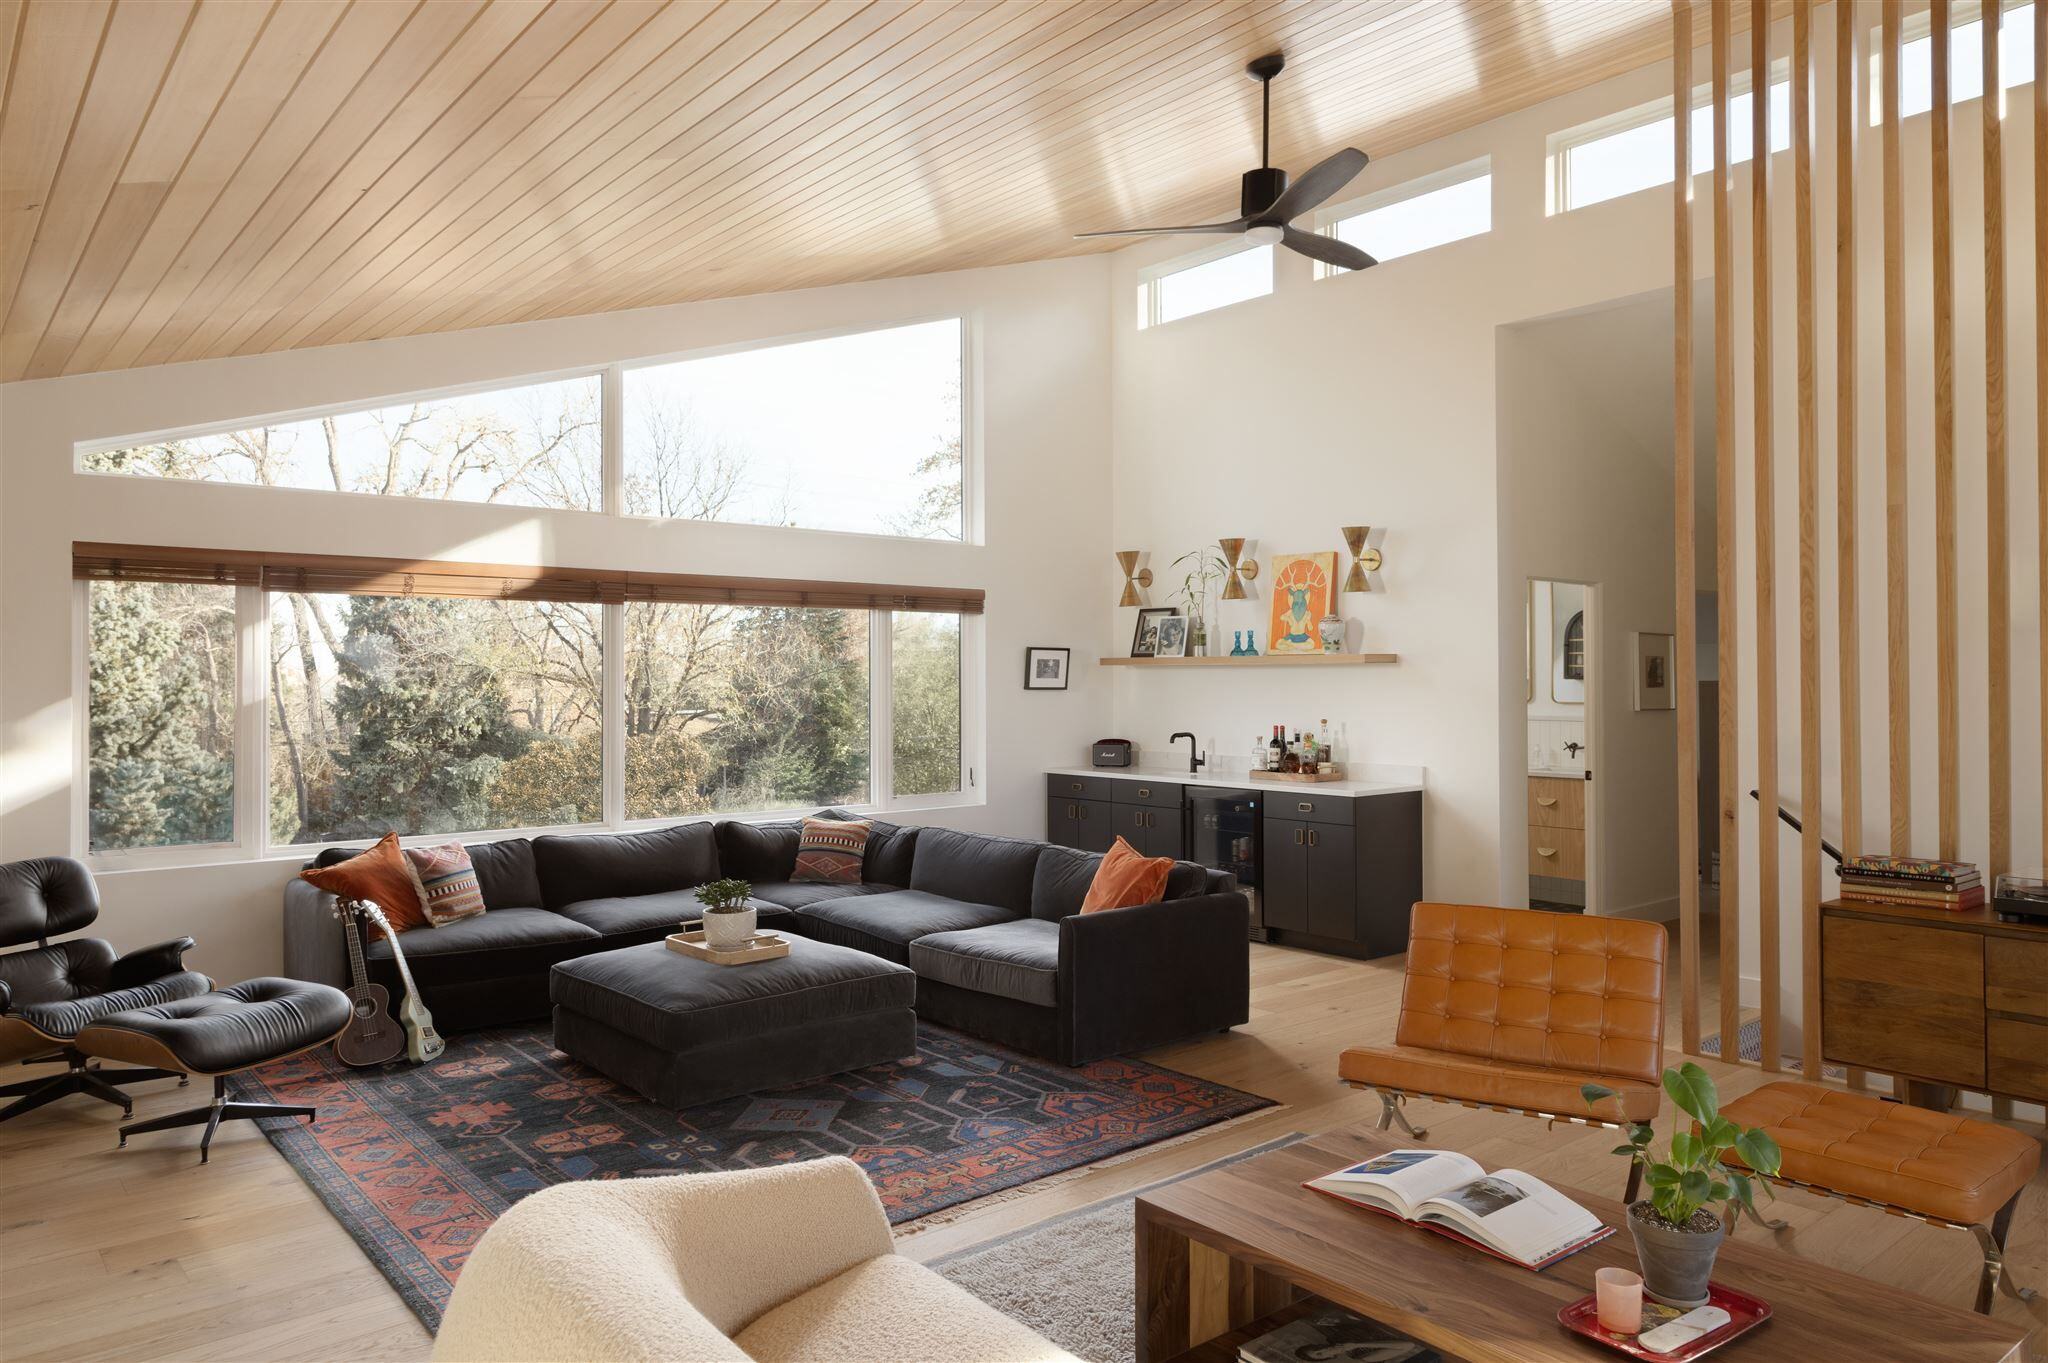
{"x": 1268, "y": 203}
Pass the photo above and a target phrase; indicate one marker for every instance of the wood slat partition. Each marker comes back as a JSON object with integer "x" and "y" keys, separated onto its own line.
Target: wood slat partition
{"x": 1684, "y": 470}
{"x": 1810, "y": 801}
{"x": 1763, "y": 410}
{"x": 1997, "y": 539}
{"x": 1730, "y": 915}
{"x": 1849, "y": 69}
{"x": 2041, "y": 384}
{"x": 1949, "y": 822}
{"x": 1898, "y": 619}
{"x": 299, "y": 572}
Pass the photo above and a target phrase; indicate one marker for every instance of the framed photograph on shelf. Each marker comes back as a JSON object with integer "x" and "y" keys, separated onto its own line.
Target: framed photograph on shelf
{"x": 1654, "y": 690}
{"x": 1172, "y": 641}
{"x": 1045, "y": 669}
{"x": 1145, "y": 639}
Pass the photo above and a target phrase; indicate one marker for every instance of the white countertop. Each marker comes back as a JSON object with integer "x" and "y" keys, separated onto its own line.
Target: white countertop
{"x": 1567, "y": 773}
{"x": 1371, "y": 780}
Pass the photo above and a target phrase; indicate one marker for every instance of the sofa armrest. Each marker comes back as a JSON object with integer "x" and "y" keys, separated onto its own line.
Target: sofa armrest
{"x": 314, "y": 945}
{"x": 144, "y": 964}
{"x": 1138, "y": 977}
{"x": 6, "y": 997}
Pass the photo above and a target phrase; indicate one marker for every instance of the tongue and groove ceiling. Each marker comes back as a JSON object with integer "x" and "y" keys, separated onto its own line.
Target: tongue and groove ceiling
{"x": 187, "y": 179}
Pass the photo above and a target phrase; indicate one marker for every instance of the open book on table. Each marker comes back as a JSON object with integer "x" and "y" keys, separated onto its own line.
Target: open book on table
{"x": 1509, "y": 1214}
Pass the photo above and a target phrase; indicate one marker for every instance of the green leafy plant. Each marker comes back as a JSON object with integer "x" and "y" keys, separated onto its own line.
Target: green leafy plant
{"x": 1204, "y": 567}
{"x": 1690, "y": 1175}
{"x": 724, "y": 896}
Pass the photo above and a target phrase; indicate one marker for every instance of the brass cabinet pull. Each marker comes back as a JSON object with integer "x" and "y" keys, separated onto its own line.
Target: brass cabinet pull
{"x": 1073, "y": 812}
{"x": 1306, "y": 808}
{"x": 1546, "y": 851}
{"x": 1297, "y": 836}
{"x": 1546, "y": 802}
{"x": 1144, "y": 790}
{"x": 1311, "y": 837}
{"x": 1075, "y": 786}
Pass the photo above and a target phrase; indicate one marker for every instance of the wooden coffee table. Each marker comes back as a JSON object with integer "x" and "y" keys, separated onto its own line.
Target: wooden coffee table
{"x": 1227, "y": 1255}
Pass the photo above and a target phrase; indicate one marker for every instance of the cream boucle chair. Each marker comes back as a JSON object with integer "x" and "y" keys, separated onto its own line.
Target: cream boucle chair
{"x": 769, "y": 1265}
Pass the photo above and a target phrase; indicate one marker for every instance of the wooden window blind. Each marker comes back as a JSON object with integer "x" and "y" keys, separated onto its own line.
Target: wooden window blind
{"x": 367, "y": 576}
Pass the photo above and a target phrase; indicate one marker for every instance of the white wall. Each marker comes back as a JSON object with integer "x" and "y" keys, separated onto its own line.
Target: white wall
{"x": 1039, "y": 344}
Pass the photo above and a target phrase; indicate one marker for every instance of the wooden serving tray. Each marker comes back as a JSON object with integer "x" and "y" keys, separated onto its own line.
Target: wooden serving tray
{"x": 1297, "y": 778}
{"x": 762, "y": 946}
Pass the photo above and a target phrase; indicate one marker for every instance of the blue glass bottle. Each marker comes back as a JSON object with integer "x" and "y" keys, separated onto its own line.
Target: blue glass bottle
{"x": 1237, "y": 643}
{"x": 1251, "y": 643}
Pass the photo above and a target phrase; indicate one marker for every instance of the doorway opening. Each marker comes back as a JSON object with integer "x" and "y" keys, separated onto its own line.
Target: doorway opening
{"x": 1560, "y": 678}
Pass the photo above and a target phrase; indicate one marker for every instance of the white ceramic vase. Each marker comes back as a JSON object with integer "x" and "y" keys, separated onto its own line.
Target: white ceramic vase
{"x": 728, "y": 931}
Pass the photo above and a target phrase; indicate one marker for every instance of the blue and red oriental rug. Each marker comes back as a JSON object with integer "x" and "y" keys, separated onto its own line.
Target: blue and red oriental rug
{"x": 417, "y": 1161}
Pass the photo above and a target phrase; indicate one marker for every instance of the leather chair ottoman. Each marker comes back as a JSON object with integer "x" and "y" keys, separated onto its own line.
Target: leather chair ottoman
{"x": 218, "y": 1034}
{"x": 1935, "y": 1167}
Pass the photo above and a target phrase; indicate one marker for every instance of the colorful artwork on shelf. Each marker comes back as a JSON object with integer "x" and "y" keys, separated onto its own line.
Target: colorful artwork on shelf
{"x": 1302, "y": 594}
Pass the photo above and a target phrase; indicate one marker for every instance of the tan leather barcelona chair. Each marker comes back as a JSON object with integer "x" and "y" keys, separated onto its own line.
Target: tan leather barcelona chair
{"x": 1514, "y": 1009}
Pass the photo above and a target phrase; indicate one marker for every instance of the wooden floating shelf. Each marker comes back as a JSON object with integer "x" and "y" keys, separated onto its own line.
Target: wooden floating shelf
{"x": 1262, "y": 660}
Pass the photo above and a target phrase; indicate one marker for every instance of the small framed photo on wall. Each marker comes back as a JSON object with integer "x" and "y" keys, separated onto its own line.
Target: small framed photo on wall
{"x": 1655, "y": 689}
{"x": 1045, "y": 669}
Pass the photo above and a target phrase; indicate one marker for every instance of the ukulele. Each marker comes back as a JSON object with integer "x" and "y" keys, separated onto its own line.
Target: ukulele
{"x": 422, "y": 1042}
{"x": 371, "y": 1037}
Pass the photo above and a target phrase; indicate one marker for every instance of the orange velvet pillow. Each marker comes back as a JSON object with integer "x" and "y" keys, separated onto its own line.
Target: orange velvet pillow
{"x": 1126, "y": 879}
{"x": 379, "y": 875}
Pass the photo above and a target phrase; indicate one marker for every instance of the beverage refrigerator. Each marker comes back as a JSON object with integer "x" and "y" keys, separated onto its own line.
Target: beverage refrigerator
{"x": 1226, "y": 831}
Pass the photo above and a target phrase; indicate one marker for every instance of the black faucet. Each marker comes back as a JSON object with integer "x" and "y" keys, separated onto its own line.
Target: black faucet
{"x": 1195, "y": 761}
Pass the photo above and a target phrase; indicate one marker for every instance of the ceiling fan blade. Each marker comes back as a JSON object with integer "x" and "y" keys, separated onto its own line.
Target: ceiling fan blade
{"x": 1236, "y": 225}
{"x": 1324, "y": 179}
{"x": 1329, "y": 250}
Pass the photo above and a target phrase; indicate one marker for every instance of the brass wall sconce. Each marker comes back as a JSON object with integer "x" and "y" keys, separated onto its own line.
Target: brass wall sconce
{"x": 1136, "y": 579}
{"x": 1364, "y": 541}
{"x": 1240, "y": 571}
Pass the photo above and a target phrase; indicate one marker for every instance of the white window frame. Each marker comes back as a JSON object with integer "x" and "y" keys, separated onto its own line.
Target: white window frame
{"x": 1920, "y": 24}
{"x": 1151, "y": 276}
{"x": 1327, "y": 219}
{"x": 85, "y": 449}
{"x": 1560, "y": 144}
{"x": 970, "y": 425}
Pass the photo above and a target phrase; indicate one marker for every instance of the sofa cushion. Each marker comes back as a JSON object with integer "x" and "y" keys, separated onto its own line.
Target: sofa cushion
{"x": 379, "y": 875}
{"x": 886, "y": 924}
{"x": 760, "y": 853}
{"x": 617, "y": 865}
{"x": 792, "y": 895}
{"x": 1018, "y": 960}
{"x": 1060, "y": 881}
{"x": 504, "y": 871}
{"x": 494, "y": 945}
{"x": 975, "y": 868}
{"x": 832, "y": 851}
{"x": 654, "y": 916}
{"x": 891, "y": 848}
{"x": 1187, "y": 879}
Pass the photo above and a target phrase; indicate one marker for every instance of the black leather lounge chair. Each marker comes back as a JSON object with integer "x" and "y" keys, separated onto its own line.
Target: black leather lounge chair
{"x": 51, "y": 990}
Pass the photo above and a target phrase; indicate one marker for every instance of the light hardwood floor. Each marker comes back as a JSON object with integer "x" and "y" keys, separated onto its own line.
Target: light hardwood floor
{"x": 144, "y": 1254}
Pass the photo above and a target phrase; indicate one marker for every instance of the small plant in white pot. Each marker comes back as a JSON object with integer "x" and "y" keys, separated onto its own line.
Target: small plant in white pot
{"x": 728, "y": 917}
{"x": 1677, "y": 1234}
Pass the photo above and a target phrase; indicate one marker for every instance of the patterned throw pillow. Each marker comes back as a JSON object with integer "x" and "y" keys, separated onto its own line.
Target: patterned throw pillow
{"x": 831, "y": 851}
{"x": 446, "y": 881}
{"x": 380, "y": 874}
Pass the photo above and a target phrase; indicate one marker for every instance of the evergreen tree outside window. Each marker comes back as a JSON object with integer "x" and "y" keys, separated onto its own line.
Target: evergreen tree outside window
{"x": 161, "y": 707}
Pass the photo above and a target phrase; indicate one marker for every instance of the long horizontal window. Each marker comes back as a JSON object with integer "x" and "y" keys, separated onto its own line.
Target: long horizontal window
{"x": 535, "y": 445}
{"x": 857, "y": 433}
{"x": 1621, "y": 156}
{"x": 1434, "y": 211}
{"x": 373, "y": 702}
{"x": 861, "y": 432}
{"x": 1242, "y": 273}
{"x": 1966, "y": 63}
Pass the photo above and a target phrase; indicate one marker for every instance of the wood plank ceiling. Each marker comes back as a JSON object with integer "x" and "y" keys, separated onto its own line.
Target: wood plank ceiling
{"x": 186, "y": 179}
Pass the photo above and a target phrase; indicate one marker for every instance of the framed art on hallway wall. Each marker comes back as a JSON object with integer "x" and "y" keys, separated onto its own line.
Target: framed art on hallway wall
{"x": 1653, "y": 672}
{"x": 1045, "y": 669}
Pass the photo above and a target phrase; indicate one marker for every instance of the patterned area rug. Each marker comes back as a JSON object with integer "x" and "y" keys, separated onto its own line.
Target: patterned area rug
{"x": 417, "y": 1162}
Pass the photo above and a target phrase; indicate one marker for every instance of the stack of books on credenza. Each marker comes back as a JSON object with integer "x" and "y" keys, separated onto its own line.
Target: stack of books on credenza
{"x": 1910, "y": 881}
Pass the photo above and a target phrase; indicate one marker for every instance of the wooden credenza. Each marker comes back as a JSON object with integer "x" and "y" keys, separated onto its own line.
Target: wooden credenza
{"x": 1941, "y": 1000}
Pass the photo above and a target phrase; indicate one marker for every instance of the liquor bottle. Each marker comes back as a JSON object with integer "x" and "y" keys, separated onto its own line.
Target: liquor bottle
{"x": 1293, "y": 752}
{"x": 1325, "y": 754}
{"x": 1276, "y": 757}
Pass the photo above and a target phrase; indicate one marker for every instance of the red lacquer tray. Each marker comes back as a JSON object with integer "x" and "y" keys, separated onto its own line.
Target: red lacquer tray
{"x": 1745, "y": 1313}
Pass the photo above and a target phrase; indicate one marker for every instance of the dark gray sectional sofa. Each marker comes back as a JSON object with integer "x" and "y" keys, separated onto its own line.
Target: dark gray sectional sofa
{"x": 991, "y": 926}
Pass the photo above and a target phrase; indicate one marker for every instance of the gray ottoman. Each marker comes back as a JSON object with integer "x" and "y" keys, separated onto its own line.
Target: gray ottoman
{"x": 681, "y": 1031}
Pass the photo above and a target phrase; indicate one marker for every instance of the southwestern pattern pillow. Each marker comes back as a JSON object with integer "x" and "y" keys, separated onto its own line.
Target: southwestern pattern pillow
{"x": 831, "y": 851}
{"x": 446, "y": 881}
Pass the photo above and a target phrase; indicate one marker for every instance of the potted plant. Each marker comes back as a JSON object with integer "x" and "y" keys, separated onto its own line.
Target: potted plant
{"x": 1208, "y": 566}
{"x": 728, "y": 917}
{"x": 1676, "y": 1231}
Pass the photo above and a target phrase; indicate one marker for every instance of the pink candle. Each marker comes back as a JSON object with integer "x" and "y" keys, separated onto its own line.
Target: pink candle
{"x": 1619, "y": 1295}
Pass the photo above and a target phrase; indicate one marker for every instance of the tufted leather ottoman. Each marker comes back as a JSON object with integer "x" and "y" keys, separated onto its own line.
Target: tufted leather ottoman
{"x": 1950, "y": 1170}
{"x": 218, "y": 1034}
